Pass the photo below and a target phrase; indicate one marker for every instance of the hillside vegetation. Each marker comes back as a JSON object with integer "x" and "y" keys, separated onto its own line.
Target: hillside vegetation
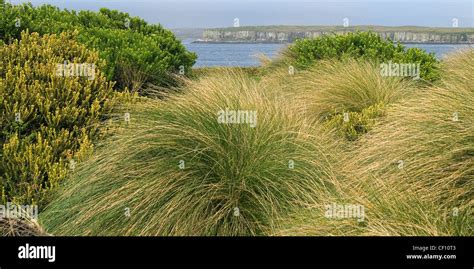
{"x": 46, "y": 120}
{"x": 135, "y": 52}
{"x": 320, "y": 141}
{"x": 178, "y": 171}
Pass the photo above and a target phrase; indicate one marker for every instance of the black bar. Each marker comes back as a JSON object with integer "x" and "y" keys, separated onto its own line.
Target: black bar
{"x": 242, "y": 250}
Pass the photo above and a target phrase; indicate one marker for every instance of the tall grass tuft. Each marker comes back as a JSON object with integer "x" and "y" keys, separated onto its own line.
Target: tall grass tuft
{"x": 175, "y": 170}
{"x": 414, "y": 173}
{"x": 432, "y": 134}
{"x": 331, "y": 89}
{"x": 351, "y": 85}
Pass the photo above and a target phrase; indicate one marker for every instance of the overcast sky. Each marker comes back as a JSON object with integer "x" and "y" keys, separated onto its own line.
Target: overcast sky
{"x": 221, "y": 13}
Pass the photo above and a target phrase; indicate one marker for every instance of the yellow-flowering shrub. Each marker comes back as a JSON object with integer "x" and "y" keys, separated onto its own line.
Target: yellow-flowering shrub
{"x": 352, "y": 125}
{"x": 49, "y": 112}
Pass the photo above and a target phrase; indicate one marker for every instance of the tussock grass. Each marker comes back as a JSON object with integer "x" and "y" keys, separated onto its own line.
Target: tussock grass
{"x": 433, "y": 134}
{"x": 413, "y": 173}
{"x": 332, "y": 87}
{"x": 236, "y": 179}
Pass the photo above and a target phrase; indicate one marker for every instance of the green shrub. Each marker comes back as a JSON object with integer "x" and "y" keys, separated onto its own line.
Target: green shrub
{"x": 57, "y": 115}
{"x": 153, "y": 56}
{"x": 354, "y": 124}
{"x": 147, "y": 51}
{"x": 365, "y": 45}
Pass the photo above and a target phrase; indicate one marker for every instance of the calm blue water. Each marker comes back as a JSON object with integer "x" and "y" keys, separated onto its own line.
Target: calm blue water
{"x": 232, "y": 54}
{"x": 439, "y": 50}
{"x": 246, "y": 54}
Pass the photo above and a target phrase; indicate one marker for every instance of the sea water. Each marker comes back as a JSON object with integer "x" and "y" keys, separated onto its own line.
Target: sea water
{"x": 247, "y": 54}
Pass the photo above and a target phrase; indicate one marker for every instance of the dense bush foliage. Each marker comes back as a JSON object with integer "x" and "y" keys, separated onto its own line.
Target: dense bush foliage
{"x": 129, "y": 44}
{"x": 46, "y": 119}
{"x": 354, "y": 124}
{"x": 366, "y": 45}
{"x": 153, "y": 57}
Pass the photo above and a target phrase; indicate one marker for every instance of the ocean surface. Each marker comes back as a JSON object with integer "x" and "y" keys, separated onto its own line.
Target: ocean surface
{"x": 247, "y": 54}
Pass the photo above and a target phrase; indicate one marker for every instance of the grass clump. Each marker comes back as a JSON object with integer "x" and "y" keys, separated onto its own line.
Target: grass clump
{"x": 178, "y": 171}
{"x": 434, "y": 140}
{"x": 347, "y": 96}
{"x": 414, "y": 173}
{"x": 347, "y": 86}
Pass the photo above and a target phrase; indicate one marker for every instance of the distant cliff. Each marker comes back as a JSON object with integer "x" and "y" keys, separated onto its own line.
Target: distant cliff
{"x": 288, "y": 34}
